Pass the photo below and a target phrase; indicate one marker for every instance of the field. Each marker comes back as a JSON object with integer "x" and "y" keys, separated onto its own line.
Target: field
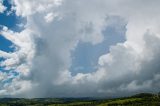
{"x": 143, "y": 99}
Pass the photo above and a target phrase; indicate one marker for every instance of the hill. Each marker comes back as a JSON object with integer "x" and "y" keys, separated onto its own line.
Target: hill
{"x": 142, "y": 99}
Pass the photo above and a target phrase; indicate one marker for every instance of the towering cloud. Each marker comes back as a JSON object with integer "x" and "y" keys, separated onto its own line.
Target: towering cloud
{"x": 42, "y": 57}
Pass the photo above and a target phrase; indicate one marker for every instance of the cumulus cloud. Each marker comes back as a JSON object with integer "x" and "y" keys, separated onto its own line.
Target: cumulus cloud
{"x": 16, "y": 65}
{"x": 53, "y": 30}
{"x": 2, "y": 7}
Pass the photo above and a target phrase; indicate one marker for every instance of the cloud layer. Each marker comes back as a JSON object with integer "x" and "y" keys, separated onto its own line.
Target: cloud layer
{"x": 42, "y": 55}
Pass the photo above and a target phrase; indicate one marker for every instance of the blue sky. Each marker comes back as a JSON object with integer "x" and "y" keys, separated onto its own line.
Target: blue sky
{"x": 86, "y": 55}
{"x": 10, "y": 22}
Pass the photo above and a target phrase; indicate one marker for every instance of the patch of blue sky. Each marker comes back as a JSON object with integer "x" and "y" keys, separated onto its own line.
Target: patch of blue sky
{"x": 85, "y": 57}
{"x": 2, "y": 69}
{"x": 1, "y": 59}
{"x": 6, "y": 45}
{"x": 10, "y": 19}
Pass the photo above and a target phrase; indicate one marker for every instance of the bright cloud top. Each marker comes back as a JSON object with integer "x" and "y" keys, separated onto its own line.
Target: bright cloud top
{"x": 39, "y": 66}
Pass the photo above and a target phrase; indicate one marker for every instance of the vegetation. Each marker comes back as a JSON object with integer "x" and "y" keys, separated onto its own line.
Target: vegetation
{"x": 143, "y": 99}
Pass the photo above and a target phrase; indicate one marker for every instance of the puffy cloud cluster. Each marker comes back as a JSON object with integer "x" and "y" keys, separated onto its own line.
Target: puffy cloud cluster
{"x": 2, "y": 7}
{"x": 53, "y": 29}
{"x": 16, "y": 65}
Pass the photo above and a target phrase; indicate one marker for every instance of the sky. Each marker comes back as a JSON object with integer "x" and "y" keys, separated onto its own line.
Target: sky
{"x": 79, "y": 48}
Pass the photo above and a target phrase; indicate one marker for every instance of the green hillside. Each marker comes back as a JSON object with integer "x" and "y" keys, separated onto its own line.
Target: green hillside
{"x": 143, "y": 99}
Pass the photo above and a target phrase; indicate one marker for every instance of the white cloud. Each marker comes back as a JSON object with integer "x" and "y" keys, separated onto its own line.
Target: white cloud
{"x": 28, "y": 7}
{"x": 49, "y": 17}
{"x": 17, "y": 87}
{"x": 2, "y": 7}
{"x": 19, "y": 61}
{"x": 43, "y": 54}
{"x": 3, "y": 76}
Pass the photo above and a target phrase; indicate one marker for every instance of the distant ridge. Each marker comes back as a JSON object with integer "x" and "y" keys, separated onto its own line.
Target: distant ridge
{"x": 141, "y": 99}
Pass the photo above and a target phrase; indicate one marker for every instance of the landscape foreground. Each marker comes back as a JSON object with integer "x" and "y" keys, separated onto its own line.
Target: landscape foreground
{"x": 143, "y": 99}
